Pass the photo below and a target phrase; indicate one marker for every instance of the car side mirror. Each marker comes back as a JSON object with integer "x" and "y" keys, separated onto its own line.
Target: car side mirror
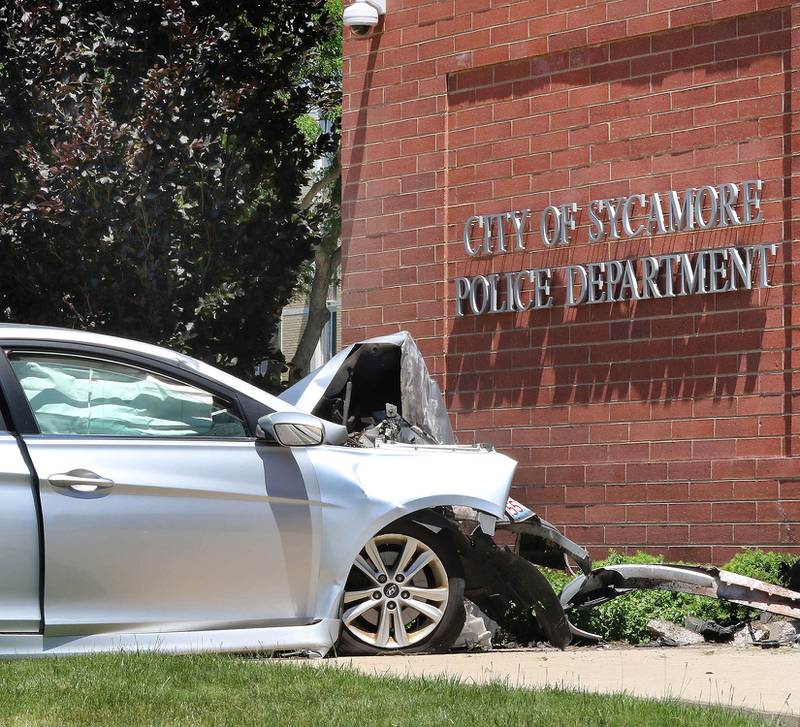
{"x": 291, "y": 429}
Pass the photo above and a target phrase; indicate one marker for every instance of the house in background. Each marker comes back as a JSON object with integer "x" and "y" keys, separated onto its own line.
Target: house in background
{"x": 293, "y": 320}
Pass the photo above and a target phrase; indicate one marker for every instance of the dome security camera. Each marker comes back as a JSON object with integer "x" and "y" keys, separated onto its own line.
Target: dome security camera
{"x": 363, "y": 15}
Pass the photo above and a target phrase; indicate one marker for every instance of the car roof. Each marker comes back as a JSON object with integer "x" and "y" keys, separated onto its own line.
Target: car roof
{"x": 24, "y": 332}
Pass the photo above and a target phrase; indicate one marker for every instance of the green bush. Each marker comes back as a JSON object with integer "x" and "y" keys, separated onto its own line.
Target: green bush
{"x": 761, "y": 564}
{"x": 625, "y": 618}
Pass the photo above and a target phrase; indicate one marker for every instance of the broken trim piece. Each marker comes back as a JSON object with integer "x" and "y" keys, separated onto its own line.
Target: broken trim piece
{"x": 490, "y": 570}
{"x": 609, "y": 582}
{"x": 547, "y": 541}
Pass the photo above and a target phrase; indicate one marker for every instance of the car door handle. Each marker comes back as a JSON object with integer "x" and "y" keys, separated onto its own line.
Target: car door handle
{"x": 80, "y": 481}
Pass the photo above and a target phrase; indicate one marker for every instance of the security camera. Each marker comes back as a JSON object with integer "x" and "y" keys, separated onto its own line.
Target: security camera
{"x": 362, "y": 16}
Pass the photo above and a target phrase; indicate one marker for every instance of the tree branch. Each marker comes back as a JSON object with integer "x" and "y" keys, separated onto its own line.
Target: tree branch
{"x": 327, "y": 179}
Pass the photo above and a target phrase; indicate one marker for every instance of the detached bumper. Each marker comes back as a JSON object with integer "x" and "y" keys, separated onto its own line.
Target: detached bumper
{"x": 604, "y": 584}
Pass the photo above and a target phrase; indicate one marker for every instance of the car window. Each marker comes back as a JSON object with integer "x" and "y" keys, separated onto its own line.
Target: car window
{"x": 76, "y": 395}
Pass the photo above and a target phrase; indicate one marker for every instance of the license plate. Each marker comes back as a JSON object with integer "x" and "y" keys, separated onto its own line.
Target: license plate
{"x": 517, "y": 512}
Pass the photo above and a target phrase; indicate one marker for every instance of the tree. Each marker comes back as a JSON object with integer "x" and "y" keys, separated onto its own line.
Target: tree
{"x": 323, "y": 196}
{"x": 151, "y": 164}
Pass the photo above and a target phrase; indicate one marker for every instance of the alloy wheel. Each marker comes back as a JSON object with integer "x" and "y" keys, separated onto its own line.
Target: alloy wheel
{"x": 397, "y": 592}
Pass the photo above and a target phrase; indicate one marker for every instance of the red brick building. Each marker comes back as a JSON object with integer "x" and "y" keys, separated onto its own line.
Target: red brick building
{"x": 669, "y": 422}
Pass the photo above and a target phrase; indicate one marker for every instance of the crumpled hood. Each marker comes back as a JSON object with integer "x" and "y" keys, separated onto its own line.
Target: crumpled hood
{"x": 382, "y": 370}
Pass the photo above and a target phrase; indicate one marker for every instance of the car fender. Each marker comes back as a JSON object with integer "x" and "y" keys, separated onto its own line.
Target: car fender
{"x": 361, "y": 491}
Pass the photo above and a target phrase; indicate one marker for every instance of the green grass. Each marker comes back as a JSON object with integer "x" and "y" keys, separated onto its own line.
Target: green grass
{"x": 218, "y": 690}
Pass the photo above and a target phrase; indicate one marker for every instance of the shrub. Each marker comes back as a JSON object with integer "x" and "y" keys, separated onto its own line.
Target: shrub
{"x": 764, "y": 565}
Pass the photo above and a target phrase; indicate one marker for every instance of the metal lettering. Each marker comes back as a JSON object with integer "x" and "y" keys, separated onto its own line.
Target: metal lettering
{"x": 581, "y": 271}
{"x": 650, "y": 278}
{"x": 493, "y": 307}
{"x": 707, "y": 271}
{"x": 629, "y": 282}
{"x": 713, "y": 196}
{"x": 762, "y": 263}
{"x": 613, "y": 208}
{"x": 486, "y": 224}
{"x": 518, "y": 223}
{"x": 544, "y": 225}
{"x": 462, "y": 294}
{"x": 542, "y": 280}
{"x": 693, "y": 279}
{"x": 742, "y": 267}
{"x": 655, "y": 215}
{"x": 718, "y": 269}
{"x": 473, "y": 302}
{"x": 669, "y": 273}
{"x": 470, "y": 223}
{"x": 508, "y": 300}
{"x": 614, "y": 275}
{"x": 681, "y": 217}
{"x": 596, "y": 283}
{"x": 568, "y": 212}
{"x": 517, "y": 291}
{"x": 596, "y": 230}
{"x": 626, "y": 215}
{"x": 501, "y": 238}
{"x": 752, "y": 200}
{"x": 728, "y": 195}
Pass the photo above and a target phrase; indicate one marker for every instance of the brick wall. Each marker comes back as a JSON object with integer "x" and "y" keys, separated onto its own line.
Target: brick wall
{"x": 671, "y": 425}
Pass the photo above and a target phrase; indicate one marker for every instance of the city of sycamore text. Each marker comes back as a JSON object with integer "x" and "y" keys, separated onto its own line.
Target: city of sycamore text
{"x": 717, "y": 270}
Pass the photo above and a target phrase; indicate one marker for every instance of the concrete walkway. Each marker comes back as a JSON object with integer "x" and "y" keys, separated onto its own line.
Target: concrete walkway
{"x": 749, "y": 678}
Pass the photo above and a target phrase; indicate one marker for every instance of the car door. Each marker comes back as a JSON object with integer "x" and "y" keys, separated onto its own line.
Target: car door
{"x": 160, "y": 510}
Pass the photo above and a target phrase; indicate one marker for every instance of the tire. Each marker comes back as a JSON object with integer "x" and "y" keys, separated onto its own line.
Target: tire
{"x": 371, "y": 626}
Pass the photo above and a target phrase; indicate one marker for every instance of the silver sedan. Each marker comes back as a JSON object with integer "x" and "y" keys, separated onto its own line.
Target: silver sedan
{"x": 150, "y": 501}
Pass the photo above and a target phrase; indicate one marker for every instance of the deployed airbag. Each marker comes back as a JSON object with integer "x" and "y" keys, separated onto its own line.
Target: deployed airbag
{"x": 76, "y": 396}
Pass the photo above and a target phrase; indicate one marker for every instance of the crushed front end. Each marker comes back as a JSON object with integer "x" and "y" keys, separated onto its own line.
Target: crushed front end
{"x": 382, "y": 392}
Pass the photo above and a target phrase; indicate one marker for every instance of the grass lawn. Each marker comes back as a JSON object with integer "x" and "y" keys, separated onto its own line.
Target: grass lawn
{"x": 220, "y": 690}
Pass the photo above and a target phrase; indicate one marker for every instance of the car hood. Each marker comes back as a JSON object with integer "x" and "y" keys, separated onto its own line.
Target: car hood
{"x": 355, "y": 387}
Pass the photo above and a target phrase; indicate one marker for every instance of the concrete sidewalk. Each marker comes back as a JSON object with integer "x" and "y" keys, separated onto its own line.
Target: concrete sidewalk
{"x": 749, "y": 678}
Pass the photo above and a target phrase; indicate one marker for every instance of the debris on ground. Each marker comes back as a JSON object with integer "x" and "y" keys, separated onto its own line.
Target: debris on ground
{"x": 505, "y": 582}
{"x": 749, "y": 634}
{"x": 667, "y": 633}
{"x": 771, "y": 634}
{"x": 478, "y": 632}
{"x": 609, "y": 582}
{"x": 710, "y": 630}
{"x": 782, "y": 631}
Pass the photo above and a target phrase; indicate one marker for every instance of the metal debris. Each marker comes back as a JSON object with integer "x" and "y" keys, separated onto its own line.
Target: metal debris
{"x": 604, "y": 584}
{"x": 710, "y": 630}
{"x": 540, "y": 543}
{"x": 498, "y": 579}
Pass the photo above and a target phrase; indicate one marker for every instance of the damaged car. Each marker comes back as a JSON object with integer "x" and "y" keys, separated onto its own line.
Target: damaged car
{"x": 150, "y": 501}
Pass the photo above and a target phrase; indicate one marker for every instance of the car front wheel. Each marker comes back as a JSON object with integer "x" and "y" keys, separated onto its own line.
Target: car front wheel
{"x": 404, "y": 594}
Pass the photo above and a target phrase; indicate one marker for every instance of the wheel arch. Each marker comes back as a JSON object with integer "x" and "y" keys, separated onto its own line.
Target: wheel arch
{"x": 422, "y": 512}
{"x": 426, "y": 514}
